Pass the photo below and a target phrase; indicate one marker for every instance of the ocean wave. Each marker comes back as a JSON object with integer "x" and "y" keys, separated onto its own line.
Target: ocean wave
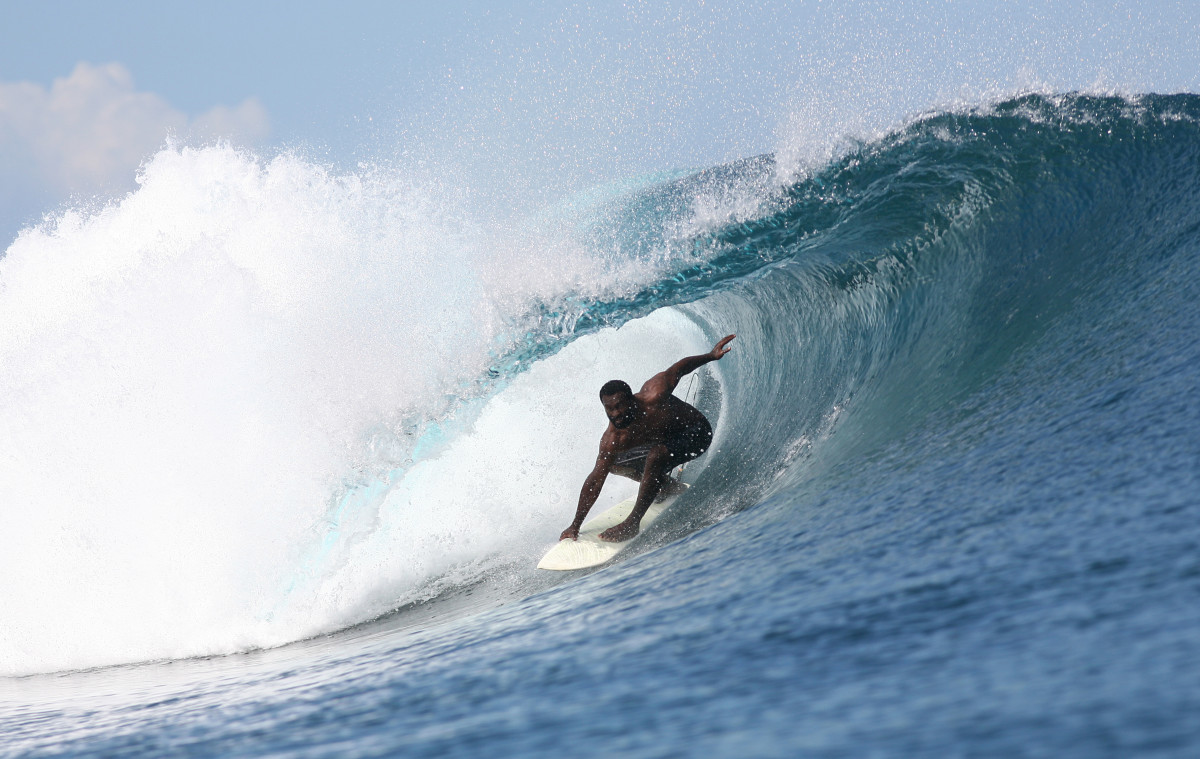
{"x": 255, "y": 400}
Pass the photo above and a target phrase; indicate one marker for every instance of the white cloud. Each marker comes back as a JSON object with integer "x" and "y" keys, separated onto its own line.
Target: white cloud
{"x": 89, "y": 131}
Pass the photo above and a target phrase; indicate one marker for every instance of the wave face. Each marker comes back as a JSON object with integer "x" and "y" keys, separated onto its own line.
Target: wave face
{"x": 898, "y": 283}
{"x": 893, "y": 292}
{"x": 255, "y": 401}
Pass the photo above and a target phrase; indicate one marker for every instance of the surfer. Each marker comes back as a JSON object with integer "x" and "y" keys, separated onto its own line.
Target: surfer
{"x": 649, "y": 433}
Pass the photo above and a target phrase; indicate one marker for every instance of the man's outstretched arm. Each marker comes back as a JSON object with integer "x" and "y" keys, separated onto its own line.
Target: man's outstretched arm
{"x": 590, "y": 492}
{"x": 665, "y": 382}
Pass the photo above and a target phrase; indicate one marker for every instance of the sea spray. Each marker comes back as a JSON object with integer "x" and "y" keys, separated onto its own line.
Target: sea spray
{"x": 268, "y": 418}
{"x": 196, "y": 376}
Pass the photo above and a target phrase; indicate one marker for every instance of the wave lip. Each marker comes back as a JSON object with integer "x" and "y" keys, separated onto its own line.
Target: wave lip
{"x": 893, "y": 283}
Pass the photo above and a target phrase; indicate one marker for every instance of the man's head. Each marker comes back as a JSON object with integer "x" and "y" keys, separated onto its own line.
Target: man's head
{"x": 619, "y": 404}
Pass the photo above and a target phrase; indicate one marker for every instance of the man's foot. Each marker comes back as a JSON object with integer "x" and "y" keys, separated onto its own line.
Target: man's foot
{"x": 669, "y": 488}
{"x": 622, "y": 532}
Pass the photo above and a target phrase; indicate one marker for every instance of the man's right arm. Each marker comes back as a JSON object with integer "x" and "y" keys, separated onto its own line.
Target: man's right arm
{"x": 664, "y": 383}
{"x": 591, "y": 489}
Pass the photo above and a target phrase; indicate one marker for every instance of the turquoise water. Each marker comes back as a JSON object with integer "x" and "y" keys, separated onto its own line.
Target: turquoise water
{"x": 951, "y": 509}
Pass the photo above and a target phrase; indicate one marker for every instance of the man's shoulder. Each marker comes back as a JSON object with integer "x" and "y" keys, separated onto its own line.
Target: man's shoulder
{"x": 615, "y": 441}
{"x": 610, "y": 440}
{"x": 652, "y": 395}
{"x": 655, "y": 387}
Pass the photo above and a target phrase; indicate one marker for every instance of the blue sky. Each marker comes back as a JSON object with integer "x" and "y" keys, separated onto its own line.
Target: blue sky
{"x": 537, "y": 98}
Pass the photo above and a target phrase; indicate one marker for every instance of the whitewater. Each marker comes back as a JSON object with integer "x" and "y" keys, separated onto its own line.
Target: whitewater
{"x": 280, "y": 447}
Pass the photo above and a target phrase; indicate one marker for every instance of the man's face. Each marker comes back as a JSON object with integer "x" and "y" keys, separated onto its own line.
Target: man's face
{"x": 622, "y": 409}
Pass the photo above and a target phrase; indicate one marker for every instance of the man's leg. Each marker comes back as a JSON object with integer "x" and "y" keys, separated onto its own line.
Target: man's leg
{"x": 656, "y": 472}
{"x": 631, "y": 463}
{"x": 670, "y": 485}
{"x": 629, "y": 472}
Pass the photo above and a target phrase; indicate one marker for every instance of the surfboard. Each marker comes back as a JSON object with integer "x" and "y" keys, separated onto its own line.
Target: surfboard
{"x": 590, "y": 550}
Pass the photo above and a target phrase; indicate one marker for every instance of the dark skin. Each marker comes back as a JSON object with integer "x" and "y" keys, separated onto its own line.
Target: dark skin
{"x": 647, "y": 417}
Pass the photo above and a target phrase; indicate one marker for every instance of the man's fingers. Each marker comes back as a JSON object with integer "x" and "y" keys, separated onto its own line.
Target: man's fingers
{"x": 720, "y": 349}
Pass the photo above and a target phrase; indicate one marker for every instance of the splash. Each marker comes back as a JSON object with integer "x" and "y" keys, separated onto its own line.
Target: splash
{"x": 192, "y": 375}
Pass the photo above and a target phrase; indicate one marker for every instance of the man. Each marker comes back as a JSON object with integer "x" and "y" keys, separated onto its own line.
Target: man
{"x": 649, "y": 433}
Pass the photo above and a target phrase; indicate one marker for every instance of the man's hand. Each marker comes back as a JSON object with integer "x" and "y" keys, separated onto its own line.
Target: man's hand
{"x": 571, "y": 533}
{"x": 719, "y": 349}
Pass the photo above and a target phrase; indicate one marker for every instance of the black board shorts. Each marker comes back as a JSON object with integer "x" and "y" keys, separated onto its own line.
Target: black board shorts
{"x": 683, "y": 447}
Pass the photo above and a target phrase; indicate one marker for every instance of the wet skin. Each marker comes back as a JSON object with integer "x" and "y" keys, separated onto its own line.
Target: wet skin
{"x": 646, "y": 418}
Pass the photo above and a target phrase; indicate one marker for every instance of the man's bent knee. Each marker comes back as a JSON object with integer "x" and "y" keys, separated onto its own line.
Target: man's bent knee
{"x": 659, "y": 459}
{"x": 631, "y": 472}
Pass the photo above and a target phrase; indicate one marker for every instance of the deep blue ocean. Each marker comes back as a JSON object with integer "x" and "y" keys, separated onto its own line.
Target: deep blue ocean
{"x": 952, "y": 510}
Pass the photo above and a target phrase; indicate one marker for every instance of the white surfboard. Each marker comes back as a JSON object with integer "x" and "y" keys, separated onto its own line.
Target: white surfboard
{"x": 590, "y": 550}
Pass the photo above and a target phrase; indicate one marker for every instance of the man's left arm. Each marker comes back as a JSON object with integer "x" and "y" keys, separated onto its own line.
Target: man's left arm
{"x": 666, "y": 382}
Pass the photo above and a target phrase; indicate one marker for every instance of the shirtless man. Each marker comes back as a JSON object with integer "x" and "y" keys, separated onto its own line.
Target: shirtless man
{"x": 649, "y": 433}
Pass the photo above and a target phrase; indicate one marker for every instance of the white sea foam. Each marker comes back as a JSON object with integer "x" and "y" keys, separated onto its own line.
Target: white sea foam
{"x": 190, "y": 376}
